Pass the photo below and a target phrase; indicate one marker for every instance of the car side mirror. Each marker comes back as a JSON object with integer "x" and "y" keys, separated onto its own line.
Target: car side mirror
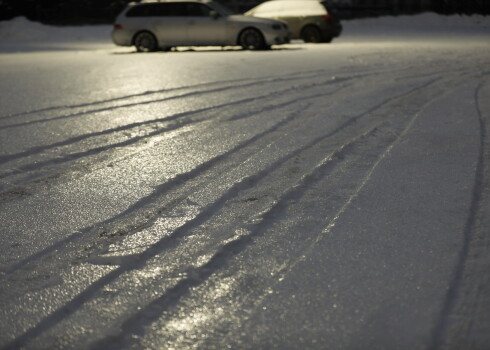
{"x": 214, "y": 14}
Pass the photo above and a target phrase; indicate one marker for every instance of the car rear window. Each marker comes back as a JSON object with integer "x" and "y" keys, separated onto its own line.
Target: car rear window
{"x": 146, "y": 10}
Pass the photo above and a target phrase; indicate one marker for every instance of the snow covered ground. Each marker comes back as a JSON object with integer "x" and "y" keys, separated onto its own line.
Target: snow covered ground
{"x": 20, "y": 34}
{"x": 329, "y": 196}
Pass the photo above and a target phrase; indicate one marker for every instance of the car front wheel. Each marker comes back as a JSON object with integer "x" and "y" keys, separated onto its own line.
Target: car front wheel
{"x": 145, "y": 42}
{"x": 251, "y": 39}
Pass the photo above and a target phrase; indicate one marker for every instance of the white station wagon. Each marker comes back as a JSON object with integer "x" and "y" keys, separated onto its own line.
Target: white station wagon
{"x": 154, "y": 25}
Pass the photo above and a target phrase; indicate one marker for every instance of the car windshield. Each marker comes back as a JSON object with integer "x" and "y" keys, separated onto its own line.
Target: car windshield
{"x": 222, "y": 10}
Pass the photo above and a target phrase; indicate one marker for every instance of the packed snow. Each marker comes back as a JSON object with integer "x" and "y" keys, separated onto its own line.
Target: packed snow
{"x": 310, "y": 196}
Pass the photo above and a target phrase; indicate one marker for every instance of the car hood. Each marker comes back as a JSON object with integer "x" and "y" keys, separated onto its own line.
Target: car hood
{"x": 252, "y": 19}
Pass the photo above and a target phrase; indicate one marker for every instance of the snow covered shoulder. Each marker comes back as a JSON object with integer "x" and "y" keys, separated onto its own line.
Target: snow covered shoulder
{"x": 20, "y": 34}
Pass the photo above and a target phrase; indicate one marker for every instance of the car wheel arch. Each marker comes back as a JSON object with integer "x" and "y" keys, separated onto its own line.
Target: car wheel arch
{"x": 145, "y": 31}
{"x": 251, "y": 28}
{"x": 311, "y": 27}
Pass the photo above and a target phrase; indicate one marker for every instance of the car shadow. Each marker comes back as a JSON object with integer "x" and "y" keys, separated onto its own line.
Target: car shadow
{"x": 207, "y": 49}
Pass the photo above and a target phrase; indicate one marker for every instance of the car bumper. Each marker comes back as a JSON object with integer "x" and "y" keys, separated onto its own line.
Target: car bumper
{"x": 282, "y": 40}
{"x": 277, "y": 37}
{"x": 332, "y": 30}
{"x": 121, "y": 37}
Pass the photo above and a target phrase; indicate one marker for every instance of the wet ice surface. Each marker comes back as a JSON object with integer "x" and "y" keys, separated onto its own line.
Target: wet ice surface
{"x": 311, "y": 196}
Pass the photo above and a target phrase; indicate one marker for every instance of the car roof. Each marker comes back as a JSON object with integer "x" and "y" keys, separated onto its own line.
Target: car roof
{"x": 151, "y": 1}
{"x": 294, "y": 1}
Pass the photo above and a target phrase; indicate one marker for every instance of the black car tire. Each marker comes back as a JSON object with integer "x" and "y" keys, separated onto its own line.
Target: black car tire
{"x": 251, "y": 39}
{"x": 311, "y": 34}
{"x": 145, "y": 42}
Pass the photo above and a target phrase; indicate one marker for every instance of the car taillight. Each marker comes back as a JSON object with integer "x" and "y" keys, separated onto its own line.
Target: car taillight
{"x": 327, "y": 17}
{"x": 117, "y": 26}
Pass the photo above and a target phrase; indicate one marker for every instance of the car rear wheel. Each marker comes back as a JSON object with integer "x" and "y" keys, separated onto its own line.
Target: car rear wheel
{"x": 251, "y": 39}
{"x": 145, "y": 42}
{"x": 311, "y": 34}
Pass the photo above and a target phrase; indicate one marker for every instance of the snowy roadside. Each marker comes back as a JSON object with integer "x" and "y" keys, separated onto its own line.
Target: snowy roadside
{"x": 22, "y": 35}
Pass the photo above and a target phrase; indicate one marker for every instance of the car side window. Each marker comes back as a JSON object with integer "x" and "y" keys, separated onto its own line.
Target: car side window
{"x": 159, "y": 10}
{"x": 148, "y": 10}
{"x": 197, "y": 10}
{"x": 139, "y": 11}
{"x": 174, "y": 9}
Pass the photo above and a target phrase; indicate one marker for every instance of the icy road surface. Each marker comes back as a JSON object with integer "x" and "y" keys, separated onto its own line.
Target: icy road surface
{"x": 312, "y": 196}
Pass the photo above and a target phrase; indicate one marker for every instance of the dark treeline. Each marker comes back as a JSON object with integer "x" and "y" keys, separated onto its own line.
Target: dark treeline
{"x": 63, "y": 11}
{"x": 66, "y": 12}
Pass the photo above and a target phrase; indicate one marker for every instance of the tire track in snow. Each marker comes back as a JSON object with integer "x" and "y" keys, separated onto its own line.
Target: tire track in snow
{"x": 159, "y": 192}
{"x": 155, "y": 122}
{"x": 163, "y": 190}
{"x": 151, "y": 124}
{"x": 232, "y": 83}
{"x": 135, "y": 325}
{"x": 183, "y": 178}
{"x": 461, "y": 324}
{"x": 127, "y": 105}
{"x": 163, "y": 244}
{"x": 141, "y": 259}
{"x": 181, "y": 120}
{"x": 38, "y": 165}
{"x": 155, "y": 99}
{"x": 269, "y": 220}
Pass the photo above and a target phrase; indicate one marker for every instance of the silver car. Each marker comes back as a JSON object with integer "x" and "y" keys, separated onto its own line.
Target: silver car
{"x": 311, "y": 20}
{"x": 154, "y": 25}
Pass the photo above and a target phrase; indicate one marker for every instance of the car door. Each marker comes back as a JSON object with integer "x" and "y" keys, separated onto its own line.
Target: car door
{"x": 170, "y": 26}
{"x": 204, "y": 28}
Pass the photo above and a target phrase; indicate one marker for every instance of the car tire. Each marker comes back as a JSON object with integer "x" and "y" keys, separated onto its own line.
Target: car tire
{"x": 311, "y": 34}
{"x": 145, "y": 42}
{"x": 251, "y": 39}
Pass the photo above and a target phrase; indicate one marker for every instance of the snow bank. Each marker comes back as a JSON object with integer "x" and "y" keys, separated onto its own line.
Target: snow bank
{"x": 20, "y": 34}
{"x": 20, "y": 28}
{"x": 425, "y": 26}
{"x": 425, "y": 20}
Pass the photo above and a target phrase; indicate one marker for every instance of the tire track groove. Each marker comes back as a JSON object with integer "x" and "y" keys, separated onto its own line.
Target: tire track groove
{"x": 207, "y": 213}
{"x": 443, "y": 336}
{"x": 165, "y": 243}
{"x": 235, "y": 86}
{"x": 160, "y": 191}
